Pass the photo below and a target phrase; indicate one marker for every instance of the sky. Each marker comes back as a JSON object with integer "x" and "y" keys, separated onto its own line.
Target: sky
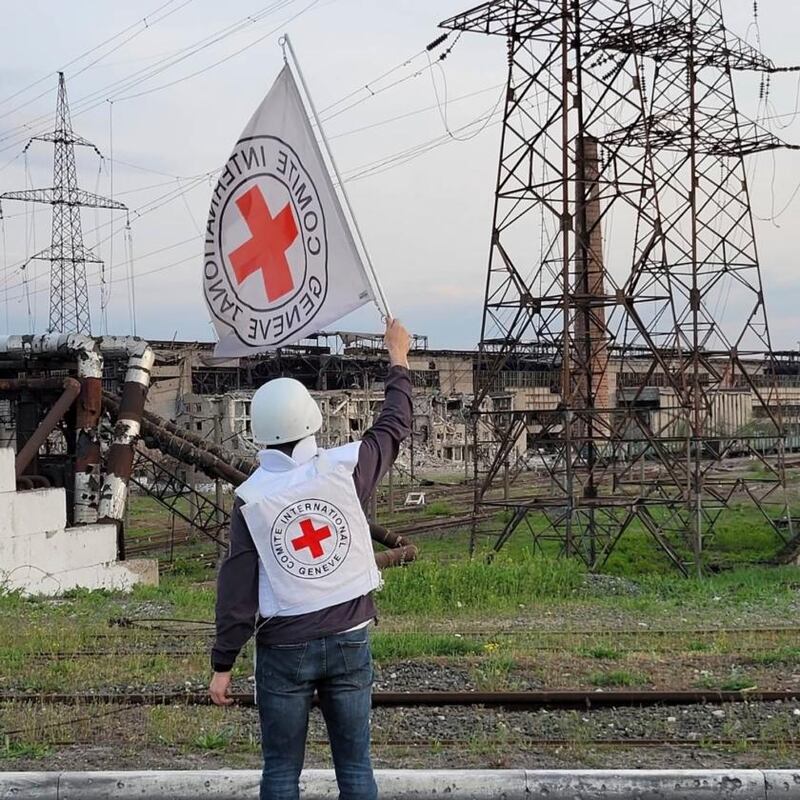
{"x": 164, "y": 88}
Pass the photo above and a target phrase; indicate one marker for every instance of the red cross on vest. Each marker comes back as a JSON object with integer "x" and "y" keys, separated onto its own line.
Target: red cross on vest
{"x": 266, "y": 250}
{"x": 311, "y": 538}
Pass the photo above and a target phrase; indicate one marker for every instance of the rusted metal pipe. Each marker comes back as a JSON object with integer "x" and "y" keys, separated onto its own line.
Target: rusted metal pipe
{"x": 35, "y": 384}
{"x": 386, "y": 537}
{"x": 400, "y": 551}
{"x": 87, "y": 449}
{"x": 396, "y": 556}
{"x": 240, "y": 463}
{"x": 86, "y": 353}
{"x": 184, "y": 451}
{"x": 72, "y": 389}
{"x": 114, "y": 491}
{"x": 176, "y": 446}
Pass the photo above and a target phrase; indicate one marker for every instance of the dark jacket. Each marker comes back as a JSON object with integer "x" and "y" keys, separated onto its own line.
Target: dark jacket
{"x": 237, "y": 584}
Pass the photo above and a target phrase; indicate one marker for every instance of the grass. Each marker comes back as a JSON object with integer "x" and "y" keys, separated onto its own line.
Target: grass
{"x": 494, "y": 672}
{"x": 617, "y": 678}
{"x": 431, "y": 588}
{"x": 439, "y": 508}
{"x": 404, "y": 645}
{"x": 423, "y": 608}
{"x": 781, "y": 655}
{"x": 13, "y": 749}
{"x": 736, "y": 681}
{"x": 601, "y": 652}
{"x": 213, "y": 740}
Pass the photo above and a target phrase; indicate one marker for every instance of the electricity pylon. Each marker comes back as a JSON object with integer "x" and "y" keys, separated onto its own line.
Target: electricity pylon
{"x": 69, "y": 296}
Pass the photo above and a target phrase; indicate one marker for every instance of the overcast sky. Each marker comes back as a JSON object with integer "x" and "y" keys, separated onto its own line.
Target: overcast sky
{"x": 426, "y": 220}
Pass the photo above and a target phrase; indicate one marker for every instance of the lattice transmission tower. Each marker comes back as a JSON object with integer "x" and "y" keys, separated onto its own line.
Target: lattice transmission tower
{"x": 69, "y": 296}
{"x": 623, "y": 276}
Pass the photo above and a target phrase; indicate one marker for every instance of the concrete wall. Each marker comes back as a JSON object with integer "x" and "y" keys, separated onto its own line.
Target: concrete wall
{"x": 40, "y": 555}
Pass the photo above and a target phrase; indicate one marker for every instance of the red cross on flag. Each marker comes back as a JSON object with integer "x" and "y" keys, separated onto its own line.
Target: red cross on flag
{"x": 280, "y": 260}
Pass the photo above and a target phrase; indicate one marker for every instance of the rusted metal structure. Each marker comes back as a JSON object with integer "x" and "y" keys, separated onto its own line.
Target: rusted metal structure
{"x": 69, "y": 432}
{"x": 625, "y": 110}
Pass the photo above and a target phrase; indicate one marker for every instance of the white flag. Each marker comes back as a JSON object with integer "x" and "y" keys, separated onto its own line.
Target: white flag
{"x": 280, "y": 262}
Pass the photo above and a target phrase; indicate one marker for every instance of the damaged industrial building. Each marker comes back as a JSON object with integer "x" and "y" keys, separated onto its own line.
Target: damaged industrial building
{"x": 92, "y": 420}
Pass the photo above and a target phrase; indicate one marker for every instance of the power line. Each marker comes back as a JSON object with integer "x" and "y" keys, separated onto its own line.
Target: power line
{"x": 147, "y": 26}
{"x": 143, "y": 210}
{"x": 130, "y": 38}
{"x": 363, "y": 171}
{"x": 226, "y": 58}
{"x": 416, "y": 111}
{"x": 122, "y": 85}
{"x": 91, "y": 50}
{"x": 360, "y": 172}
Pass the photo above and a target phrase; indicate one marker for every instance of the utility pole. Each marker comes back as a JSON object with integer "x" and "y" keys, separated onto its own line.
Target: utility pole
{"x": 69, "y": 296}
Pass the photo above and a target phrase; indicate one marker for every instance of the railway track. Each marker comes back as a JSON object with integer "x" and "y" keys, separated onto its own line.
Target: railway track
{"x": 88, "y": 714}
{"x": 203, "y": 638}
{"x": 204, "y": 630}
{"x": 166, "y": 540}
{"x": 517, "y": 701}
{"x": 529, "y": 743}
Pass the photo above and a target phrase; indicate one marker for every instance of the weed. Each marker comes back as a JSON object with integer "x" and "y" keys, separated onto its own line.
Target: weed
{"x": 11, "y": 749}
{"x": 495, "y": 672}
{"x": 90, "y": 596}
{"x": 617, "y": 677}
{"x": 737, "y": 682}
{"x": 781, "y": 655}
{"x": 599, "y": 651}
{"x": 213, "y": 740}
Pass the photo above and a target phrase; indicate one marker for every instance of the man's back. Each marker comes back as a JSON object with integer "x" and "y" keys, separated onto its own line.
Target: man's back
{"x": 300, "y": 510}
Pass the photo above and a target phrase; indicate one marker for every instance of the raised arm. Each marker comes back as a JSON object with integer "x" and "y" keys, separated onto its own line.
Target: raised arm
{"x": 381, "y": 443}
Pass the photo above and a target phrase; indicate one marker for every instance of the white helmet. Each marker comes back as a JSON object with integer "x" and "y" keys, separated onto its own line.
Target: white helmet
{"x": 283, "y": 411}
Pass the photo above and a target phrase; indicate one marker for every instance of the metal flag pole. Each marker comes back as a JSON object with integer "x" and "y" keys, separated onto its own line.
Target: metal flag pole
{"x": 286, "y": 42}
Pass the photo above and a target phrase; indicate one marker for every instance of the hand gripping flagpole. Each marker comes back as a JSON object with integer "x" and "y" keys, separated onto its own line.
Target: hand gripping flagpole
{"x": 383, "y": 304}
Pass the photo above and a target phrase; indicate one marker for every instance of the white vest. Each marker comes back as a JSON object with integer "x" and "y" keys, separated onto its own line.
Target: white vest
{"x": 309, "y": 529}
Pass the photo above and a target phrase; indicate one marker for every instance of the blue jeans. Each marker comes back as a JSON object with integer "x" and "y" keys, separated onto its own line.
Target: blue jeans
{"x": 339, "y": 667}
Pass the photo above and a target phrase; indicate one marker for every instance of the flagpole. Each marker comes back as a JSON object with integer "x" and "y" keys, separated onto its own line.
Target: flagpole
{"x": 286, "y": 42}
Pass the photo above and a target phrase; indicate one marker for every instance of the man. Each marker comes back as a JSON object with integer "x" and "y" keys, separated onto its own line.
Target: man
{"x": 299, "y": 573}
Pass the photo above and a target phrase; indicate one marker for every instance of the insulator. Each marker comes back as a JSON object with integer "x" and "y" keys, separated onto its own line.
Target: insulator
{"x": 436, "y": 42}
